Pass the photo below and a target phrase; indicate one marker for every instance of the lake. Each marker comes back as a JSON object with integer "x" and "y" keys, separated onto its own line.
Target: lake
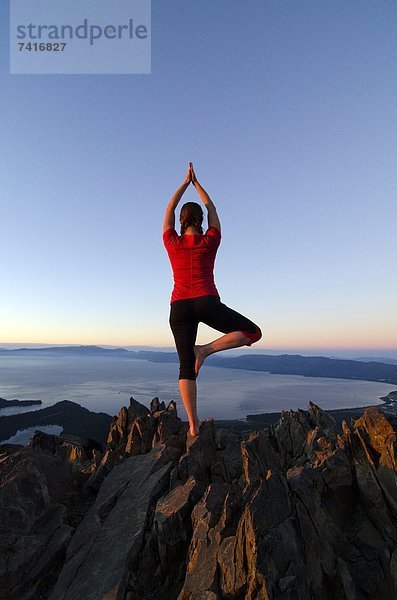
{"x": 106, "y": 383}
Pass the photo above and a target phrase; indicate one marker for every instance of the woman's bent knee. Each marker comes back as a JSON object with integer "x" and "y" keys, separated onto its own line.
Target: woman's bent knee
{"x": 253, "y": 337}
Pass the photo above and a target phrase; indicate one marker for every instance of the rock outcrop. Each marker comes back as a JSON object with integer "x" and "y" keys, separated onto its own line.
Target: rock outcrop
{"x": 111, "y": 534}
{"x": 37, "y": 513}
{"x": 297, "y": 511}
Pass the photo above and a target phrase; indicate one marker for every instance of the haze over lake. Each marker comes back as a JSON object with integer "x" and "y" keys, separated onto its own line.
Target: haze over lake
{"x": 106, "y": 383}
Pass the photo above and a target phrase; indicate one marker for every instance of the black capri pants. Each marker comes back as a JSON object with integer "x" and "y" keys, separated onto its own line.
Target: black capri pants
{"x": 185, "y": 315}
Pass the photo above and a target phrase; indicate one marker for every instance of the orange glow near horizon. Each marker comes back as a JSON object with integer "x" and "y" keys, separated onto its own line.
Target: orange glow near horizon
{"x": 278, "y": 335}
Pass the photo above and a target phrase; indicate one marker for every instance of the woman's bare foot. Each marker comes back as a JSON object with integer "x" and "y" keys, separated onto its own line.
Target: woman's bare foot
{"x": 195, "y": 430}
{"x": 200, "y": 354}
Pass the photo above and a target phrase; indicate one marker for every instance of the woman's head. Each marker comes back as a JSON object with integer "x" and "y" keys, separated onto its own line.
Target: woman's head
{"x": 191, "y": 215}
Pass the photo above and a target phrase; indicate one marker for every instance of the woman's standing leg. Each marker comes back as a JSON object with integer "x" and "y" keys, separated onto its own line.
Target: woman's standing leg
{"x": 184, "y": 328}
{"x": 188, "y": 391}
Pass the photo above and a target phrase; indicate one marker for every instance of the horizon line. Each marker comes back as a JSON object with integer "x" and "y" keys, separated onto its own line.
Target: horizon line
{"x": 165, "y": 348}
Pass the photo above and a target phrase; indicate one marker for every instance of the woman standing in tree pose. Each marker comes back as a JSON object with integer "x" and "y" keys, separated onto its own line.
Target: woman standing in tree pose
{"x": 195, "y": 298}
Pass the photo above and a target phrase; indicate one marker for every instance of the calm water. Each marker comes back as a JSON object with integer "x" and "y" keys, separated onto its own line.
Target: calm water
{"x": 24, "y": 435}
{"x": 105, "y": 384}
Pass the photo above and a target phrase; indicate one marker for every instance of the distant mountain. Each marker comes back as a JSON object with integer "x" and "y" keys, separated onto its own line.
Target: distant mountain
{"x": 283, "y": 364}
{"x": 153, "y": 356}
{"x": 8, "y": 403}
{"x": 382, "y": 359}
{"x": 66, "y": 350}
{"x": 311, "y": 366}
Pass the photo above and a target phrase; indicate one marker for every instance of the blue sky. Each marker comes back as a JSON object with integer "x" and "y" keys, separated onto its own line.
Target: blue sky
{"x": 288, "y": 111}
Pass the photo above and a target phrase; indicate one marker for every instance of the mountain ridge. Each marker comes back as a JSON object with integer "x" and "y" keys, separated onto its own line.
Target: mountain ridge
{"x": 280, "y": 364}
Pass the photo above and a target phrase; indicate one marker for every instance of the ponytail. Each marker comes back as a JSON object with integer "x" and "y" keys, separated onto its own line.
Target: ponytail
{"x": 191, "y": 216}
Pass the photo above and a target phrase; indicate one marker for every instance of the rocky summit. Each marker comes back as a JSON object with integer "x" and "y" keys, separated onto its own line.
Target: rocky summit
{"x": 296, "y": 511}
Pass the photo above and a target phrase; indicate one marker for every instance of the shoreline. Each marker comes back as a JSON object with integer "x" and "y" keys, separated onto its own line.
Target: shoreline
{"x": 11, "y": 424}
{"x": 18, "y": 403}
{"x": 261, "y": 420}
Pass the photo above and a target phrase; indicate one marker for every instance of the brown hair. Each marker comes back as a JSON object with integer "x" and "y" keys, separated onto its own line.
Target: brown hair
{"x": 191, "y": 215}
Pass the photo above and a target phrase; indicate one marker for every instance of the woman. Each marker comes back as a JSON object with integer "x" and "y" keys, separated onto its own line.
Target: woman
{"x": 195, "y": 298}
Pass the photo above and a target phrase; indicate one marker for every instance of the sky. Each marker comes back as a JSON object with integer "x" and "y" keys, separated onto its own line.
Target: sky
{"x": 288, "y": 111}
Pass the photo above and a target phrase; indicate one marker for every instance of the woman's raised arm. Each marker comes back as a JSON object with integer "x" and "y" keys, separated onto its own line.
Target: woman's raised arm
{"x": 213, "y": 219}
{"x": 169, "y": 218}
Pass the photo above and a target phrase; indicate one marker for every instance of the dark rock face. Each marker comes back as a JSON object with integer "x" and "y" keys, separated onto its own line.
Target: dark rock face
{"x": 110, "y": 536}
{"x": 135, "y": 431}
{"x": 36, "y": 506}
{"x": 306, "y": 514}
{"x": 294, "y": 512}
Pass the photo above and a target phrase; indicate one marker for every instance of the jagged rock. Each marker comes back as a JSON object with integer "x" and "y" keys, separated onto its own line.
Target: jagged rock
{"x": 324, "y": 421}
{"x": 135, "y": 431}
{"x": 213, "y": 566}
{"x": 104, "y": 464}
{"x": 168, "y": 425}
{"x": 201, "y": 454}
{"x": 171, "y": 406}
{"x": 36, "y": 502}
{"x": 161, "y": 564}
{"x": 118, "y": 429}
{"x": 201, "y": 573}
{"x": 307, "y": 527}
{"x": 229, "y": 465}
{"x": 172, "y": 528}
{"x": 111, "y": 535}
{"x": 261, "y": 456}
{"x": 121, "y": 425}
{"x": 136, "y": 409}
{"x": 330, "y": 526}
{"x": 297, "y": 511}
{"x": 70, "y": 448}
{"x": 156, "y": 405}
{"x": 140, "y": 437}
{"x": 318, "y": 496}
{"x": 381, "y": 437}
{"x": 303, "y": 436}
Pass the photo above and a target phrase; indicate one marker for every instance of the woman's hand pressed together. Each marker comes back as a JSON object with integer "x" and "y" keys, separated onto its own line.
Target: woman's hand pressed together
{"x": 188, "y": 178}
{"x": 193, "y": 174}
